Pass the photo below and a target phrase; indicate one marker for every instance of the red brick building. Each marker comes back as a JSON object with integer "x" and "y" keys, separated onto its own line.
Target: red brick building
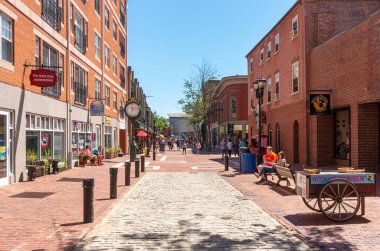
{"x": 229, "y": 112}
{"x": 291, "y": 57}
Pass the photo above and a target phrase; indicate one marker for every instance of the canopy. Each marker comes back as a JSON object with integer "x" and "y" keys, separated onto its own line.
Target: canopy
{"x": 141, "y": 134}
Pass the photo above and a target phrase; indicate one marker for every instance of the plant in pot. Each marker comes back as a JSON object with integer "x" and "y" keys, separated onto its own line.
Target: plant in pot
{"x": 31, "y": 163}
{"x": 109, "y": 153}
{"x": 116, "y": 151}
{"x": 47, "y": 161}
{"x": 119, "y": 152}
{"x": 83, "y": 156}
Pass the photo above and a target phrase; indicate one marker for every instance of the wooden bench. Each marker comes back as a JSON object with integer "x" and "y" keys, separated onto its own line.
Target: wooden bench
{"x": 285, "y": 173}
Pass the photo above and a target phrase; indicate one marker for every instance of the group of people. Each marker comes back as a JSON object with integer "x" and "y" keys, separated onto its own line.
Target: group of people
{"x": 96, "y": 156}
{"x": 229, "y": 146}
{"x": 270, "y": 160}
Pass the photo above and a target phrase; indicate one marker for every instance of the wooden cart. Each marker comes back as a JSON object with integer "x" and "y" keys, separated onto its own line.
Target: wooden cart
{"x": 338, "y": 196}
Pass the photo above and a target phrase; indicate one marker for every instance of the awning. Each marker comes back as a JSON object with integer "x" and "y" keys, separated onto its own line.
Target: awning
{"x": 141, "y": 134}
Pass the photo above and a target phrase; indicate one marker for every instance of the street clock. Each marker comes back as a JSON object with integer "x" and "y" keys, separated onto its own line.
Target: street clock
{"x": 132, "y": 108}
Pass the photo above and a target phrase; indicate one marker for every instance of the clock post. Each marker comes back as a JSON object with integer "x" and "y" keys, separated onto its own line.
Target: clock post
{"x": 132, "y": 110}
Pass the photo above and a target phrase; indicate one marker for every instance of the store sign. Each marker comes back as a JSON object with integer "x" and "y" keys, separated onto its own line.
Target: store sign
{"x": 230, "y": 129}
{"x": 43, "y": 78}
{"x": 320, "y": 104}
{"x": 97, "y": 108}
{"x": 108, "y": 120}
{"x": 360, "y": 178}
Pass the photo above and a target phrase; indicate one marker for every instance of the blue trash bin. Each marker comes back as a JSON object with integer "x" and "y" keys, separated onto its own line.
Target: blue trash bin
{"x": 248, "y": 163}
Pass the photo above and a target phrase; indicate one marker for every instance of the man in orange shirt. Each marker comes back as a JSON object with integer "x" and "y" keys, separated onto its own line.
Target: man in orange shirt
{"x": 270, "y": 160}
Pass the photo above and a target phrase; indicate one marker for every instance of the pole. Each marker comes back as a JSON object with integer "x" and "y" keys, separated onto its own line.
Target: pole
{"x": 88, "y": 200}
{"x": 259, "y": 130}
{"x": 137, "y": 168}
{"x": 226, "y": 163}
{"x": 127, "y": 173}
{"x": 154, "y": 141}
{"x": 133, "y": 144}
{"x": 113, "y": 182}
{"x": 142, "y": 157}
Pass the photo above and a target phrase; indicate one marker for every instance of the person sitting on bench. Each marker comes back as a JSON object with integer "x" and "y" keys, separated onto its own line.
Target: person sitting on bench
{"x": 270, "y": 160}
{"x": 99, "y": 156}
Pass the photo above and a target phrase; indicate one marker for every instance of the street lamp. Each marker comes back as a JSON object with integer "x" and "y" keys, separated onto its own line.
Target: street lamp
{"x": 154, "y": 139}
{"x": 259, "y": 86}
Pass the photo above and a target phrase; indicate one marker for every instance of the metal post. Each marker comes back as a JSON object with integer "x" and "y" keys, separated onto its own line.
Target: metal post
{"x": 259, "y": 130}
{"x": 113, "y": 182}
{"x": 88, "y": 200}
{"x": 142, "y": 157}
{"x": 226, "y": 163}
{"x": 154, "y": 141}
{"x": 137, "y": 168}
{"x": 133, "y": 143}
{"x": 127, "y": 174}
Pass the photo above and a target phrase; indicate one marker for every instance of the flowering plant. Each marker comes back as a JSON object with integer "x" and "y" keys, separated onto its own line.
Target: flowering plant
{"x": 84, "y": 155}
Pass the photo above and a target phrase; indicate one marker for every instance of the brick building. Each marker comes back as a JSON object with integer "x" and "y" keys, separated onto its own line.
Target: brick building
{"x": 228, "y": 113}
{"x": 295, "y": 57}
{"x": 87, "y": 40}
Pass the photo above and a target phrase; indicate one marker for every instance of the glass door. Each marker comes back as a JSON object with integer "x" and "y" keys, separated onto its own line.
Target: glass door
{"x": 4, "y": 148}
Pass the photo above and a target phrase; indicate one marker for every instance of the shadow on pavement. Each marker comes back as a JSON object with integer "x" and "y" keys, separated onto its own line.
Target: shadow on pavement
{"x": 72, "y": 224}
{"x": 317, "y": 219}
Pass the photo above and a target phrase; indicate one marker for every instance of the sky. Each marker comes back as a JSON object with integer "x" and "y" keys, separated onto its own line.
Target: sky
{"x": 168, "y": 38}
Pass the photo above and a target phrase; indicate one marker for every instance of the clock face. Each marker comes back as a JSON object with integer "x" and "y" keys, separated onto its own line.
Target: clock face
{"x": 132, "y": 110}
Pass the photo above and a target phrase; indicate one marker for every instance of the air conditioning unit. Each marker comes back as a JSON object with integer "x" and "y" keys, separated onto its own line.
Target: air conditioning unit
{"x": 293, "y": 33}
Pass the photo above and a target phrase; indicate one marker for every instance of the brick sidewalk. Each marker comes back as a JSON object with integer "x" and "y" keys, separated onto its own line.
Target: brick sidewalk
{"x": 51, "y": 218}
{"x": 360, "y": 233}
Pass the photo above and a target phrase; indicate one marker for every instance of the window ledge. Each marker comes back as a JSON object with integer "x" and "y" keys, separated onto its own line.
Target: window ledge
{"x": 295, "y": 93}
{"x": 276, "y": 52}
{"x": 276, "y": 100}
{"x": 293, "y": 37}
{"x": 269, "y": 58}
{"x": 6, "y": 65}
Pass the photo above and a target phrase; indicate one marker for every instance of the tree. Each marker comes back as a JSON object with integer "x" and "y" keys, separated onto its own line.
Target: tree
{"x": 198, "y": 93}
{"x": 160, "y": 122}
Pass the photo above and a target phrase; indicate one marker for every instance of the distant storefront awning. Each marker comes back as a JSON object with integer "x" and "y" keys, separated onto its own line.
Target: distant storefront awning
{"x": 141, "y": 134}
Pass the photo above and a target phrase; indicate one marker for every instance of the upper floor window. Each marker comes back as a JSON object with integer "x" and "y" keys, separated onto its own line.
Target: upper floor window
{"x": 115, "y": 2}
{"x": 52, "y": 13}
{"x": 262, "y": 56}
{"x": 107, "y": 96}
{"x": 97, "y": 6}
{"x": 114, "y": 65}
{"x": 97, "y": 45}
{"x": 80, "y": 86}
{"x": 251, "y": 95}
{"x": 50, "y": 57}
{"x": 107, "y": 18}
{"x": 115, "y": 100}
{"x": 122, "y": 75}
{"x": 107, "y": 55}
{"x": 233, "y": 107}
{"x": 80, "y": 31}
{"x": 114, "y": 30}
{"x": 37, "y": 52}
{"x": 295, "y": 73}
{"x": 122, "y": 44}
{"x": 6, "y": 45}
{"x": 295, "y": 26}
{"x": 269, "y": 47}
{"x": 251, "y": 65}
{"x": 97, "y": 89}
{"x": 269, "y": 90}
{"x": 277, "y": 42}
{"x": 122, "y": 13}
{"x": 277, "y": 87}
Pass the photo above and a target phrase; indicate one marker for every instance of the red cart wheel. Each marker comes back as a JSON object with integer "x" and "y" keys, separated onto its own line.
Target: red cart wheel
{"x": 339, "y": 200}
{"x": 312, "y": 204}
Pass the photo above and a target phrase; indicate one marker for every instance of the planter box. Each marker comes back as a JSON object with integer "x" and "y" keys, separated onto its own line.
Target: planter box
{"x": 40, "y": 171}
{"x": 109, "y": 155}
{"x": 120, "y": 154}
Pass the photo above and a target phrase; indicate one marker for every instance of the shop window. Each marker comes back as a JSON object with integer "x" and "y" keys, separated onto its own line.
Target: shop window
{"x": 81, "y": 137}
{"x": 32, "y": 144}
{"x": 108, "y": 136}
{"x": 98, "y": 135}
{"x": 115, "y": 137}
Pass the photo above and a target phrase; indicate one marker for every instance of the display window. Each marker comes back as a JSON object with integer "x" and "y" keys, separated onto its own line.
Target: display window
{"x": 81, "y": 136}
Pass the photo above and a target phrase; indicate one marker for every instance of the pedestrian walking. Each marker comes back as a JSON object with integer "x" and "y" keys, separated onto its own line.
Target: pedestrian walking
{"x": 184, "y": 147}
{"x": 235, "y": 148}
{"x": 178, "y": 145}
{"x": 198, "y": 146}
{"x": 223, "y": 147}
{"x": 229, "y": 147}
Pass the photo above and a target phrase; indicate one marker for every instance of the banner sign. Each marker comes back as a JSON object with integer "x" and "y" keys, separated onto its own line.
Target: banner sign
{"x": 230, "y": 129}
{"x": 355, "y": 178}
{"x": 320, "y": 104}
{"x": 97, "y": 108}
{"x": 43, "y": 78}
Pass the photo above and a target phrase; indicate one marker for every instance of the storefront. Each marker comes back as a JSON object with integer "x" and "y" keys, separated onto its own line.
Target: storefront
{"x": 6, "y": 139}
{"x": 81, "y": 137}
{"x": 45, "y": 137}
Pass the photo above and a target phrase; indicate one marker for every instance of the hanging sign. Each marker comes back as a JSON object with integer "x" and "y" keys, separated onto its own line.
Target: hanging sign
{"x": 97, "y": 108}
{"x": 320, "y": 104}
{"x": 43, "y": 78}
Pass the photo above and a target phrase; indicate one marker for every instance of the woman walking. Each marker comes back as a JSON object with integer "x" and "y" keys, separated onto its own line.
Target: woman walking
{"x": 198, "y": 146}
{"x": 184, "y": 147}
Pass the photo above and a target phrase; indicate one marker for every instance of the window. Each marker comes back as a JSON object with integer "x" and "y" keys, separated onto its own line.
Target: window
{"x": 277, "y": 87}
{"x": 115, "y": 2}
{"x": 269, "y": 49}
{"x": 122, "y": 75}
{"x": 122, "y": 13}
{"x": 107, "y": 18}
{"x": 114, "y": 64}
{"x": 50, "y": 58}
{"x": 80, "y": 32}
{"x": 269, "y": 135}
{"x": 295, "y": 70}
{"x": 37, "y": 53}
{"x": 6, "y": 45}
{"x": 251, "y": 95}
{"x": 60, "y": 70}
{"x": 97, "y": 89}
{"x": 97, "y": 45}
{"x": 108, "y": 136}
{"x": 278, "y": 137}
{"x": 107, "y": 96}
{"x": 97, "y": 6}
{"x": 294, "y": 26}
{"x": 81, "y": 136}
{"x": 98, "y": 135}
{"x": 262, "y": 56}
{"x": 122, "y": 44}
{"x": 233, "y": 107}
{"x": 80, "y": 86}
{"x": 115, "y": 137}
{"x": 121, "y": 109}
{"x": 277, "y": 42}
{"x": 52, "y": 13}
{"x": 269, "y": 90}
{"x": 107, "y": 56}
{"x": 115, "y": 100}
{"x": 251, "y": 65}
{"x": 114, "y": 30}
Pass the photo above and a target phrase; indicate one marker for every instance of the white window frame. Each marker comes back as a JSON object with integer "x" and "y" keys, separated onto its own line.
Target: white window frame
{"x": 294, "y": 32}
{"x": 98, "y": 88}
{"x": 277, "y": 43}
{"x": 114, "y": 100}
{"x": 107, "y": 96}
{"x": 114, "y": 64}
{"x": 251, "y": 65}
{"x": 262, "y": 56}
{"x": 97, "y": 48}
{"x": 269, "y": 91}
{"x": 294, "y": 66}
{"x": 4, "y": 16}
{"x": 269, "y": 50}
{"x": 107, "y": 56}
{"x": 277, "y": 87}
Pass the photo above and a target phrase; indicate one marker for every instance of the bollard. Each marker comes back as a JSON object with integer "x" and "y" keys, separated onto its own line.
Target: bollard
{"x": 113, "y": 182}
{"x": 88, "y": 200}
{"x": 142, "y": 163}
{"x": 127, "y": 173}
{"x": 225, "y": 162}
{"x": 137, "y": 168}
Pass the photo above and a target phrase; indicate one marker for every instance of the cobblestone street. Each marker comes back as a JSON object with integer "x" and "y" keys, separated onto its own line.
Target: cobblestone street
{"x": 187, "y": 211}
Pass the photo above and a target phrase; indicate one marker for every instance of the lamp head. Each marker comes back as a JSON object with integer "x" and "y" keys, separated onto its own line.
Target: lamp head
{"x": 261, "y": 83}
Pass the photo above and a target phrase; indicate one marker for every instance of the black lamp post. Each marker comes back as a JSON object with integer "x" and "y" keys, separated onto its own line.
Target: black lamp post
{"x": 259, "y": 86}
{"x": 154, "y": 139}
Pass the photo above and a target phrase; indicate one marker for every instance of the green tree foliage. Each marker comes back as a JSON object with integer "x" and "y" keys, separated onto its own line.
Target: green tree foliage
{"x": 160, "y": 122}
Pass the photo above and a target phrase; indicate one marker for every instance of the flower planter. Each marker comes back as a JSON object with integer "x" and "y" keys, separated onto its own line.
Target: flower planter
{"x": 120, "y": 154}
{"x": 82, "y": 163}
{"x": 109, "y": 155}
{"x": 31, "y": 172}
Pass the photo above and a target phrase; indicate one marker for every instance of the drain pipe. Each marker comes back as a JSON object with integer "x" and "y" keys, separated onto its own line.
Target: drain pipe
{"x": 69, "y": 86}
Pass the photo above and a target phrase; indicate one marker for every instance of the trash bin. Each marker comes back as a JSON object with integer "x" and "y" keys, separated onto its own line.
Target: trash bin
{"x": 248, "y": 163}
{"x": 244, "y": 150}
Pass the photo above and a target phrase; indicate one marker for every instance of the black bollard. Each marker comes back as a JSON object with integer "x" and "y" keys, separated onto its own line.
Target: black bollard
{"x": 142, "y": 163}
{"x": 88, "y": 200}
{"x": 137, "y": 168}
{"x": 225, "y": 162}
{"x": 127, "y": 173}
{"x": 113, "y": 182}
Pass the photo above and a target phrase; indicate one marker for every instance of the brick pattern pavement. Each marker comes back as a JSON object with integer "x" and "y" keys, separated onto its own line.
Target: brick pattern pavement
{"x": 187, "y": 211}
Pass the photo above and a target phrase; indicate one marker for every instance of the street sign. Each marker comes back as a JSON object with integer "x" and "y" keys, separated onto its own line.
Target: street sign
{"x": 43, "y": 78}
{"x": 97, "y": 108}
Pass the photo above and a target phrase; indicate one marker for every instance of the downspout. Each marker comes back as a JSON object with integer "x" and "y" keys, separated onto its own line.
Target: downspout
{"x": 103, "y": 92}
{"x": 68, "y": 86}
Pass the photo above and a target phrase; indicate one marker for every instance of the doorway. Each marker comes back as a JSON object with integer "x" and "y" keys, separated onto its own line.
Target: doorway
{"x": 4, "y": 148}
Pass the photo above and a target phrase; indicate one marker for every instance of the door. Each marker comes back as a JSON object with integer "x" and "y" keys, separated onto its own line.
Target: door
{"x": 4, "y": 148}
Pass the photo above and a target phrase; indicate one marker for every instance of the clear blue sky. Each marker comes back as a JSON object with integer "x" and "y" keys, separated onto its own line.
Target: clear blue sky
{"x": 167, "y": 38}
